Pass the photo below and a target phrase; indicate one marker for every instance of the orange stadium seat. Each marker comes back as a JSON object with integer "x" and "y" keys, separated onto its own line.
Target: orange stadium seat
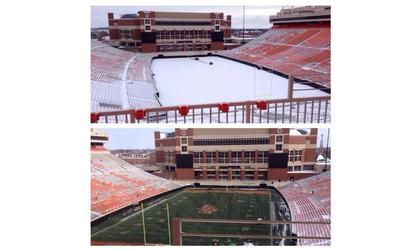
{"x": 302, "y": 52}
{"x": 309, "y": 200}
{"x": 115, "y": 184}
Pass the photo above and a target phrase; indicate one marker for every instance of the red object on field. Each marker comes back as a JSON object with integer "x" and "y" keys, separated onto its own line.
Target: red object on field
{"x": 139, "y": 114}
{"x": 94, "y": 117}
{"x": 262, "y": 105}
{"x": 183, "y": 110}
{"x": 224, "y": 107}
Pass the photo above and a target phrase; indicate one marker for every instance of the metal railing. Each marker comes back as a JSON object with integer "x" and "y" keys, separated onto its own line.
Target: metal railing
{"x": 178, "y": 233}
{"x": 288, "y": 110}
{"x": 297, "y": 110}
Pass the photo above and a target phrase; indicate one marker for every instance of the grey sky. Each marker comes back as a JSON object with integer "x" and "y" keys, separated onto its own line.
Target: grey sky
{"x": 135, "y": 138}
{"x": 131, "y": 138}
{"x": 255, "y": 16}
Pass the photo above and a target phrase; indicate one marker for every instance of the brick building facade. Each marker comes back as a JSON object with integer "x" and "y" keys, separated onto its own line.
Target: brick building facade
{"x": 241, "y": 154}
{"x": 150, "y": 31}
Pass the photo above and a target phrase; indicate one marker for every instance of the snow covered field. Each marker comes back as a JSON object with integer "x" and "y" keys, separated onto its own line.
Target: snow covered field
{"x": 188, "y": 81}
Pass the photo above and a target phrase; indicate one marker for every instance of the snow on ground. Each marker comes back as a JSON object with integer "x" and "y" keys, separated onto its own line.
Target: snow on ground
{"x": 188, "y": 81}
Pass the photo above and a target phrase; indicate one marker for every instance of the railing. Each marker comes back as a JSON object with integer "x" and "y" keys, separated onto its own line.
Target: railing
{"x": 296, "y": 110}
{"x": 288, "y": 110}
{"x": 319, "y": 234}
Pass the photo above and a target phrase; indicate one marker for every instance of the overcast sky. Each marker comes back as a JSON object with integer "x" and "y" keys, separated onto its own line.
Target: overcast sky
{"x": 143, "y": 138}
{"x": 255, "y": 16}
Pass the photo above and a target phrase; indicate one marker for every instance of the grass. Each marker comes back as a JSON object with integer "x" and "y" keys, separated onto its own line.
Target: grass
{"x": 186, "y": 204}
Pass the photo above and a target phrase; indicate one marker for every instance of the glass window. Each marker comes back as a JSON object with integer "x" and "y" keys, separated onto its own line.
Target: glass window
{"x": 291, "y": 155}
{"x": 236, "y": 156}
{"x": 262, "y": 157}
{"x": 308, "y": 167}
{"x": 178, "y": 34}
{"x": 184, "y": 149}
{"x": 211, "y": 157}
{"x": 198, "y": 157}
{"x": 298, "y": 155}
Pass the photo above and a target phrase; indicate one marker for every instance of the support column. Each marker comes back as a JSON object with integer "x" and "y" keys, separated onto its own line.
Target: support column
{"x": 290, "y": 88}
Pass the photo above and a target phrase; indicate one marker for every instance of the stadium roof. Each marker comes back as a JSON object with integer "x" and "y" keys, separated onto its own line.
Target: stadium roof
{"x": 129, "y": 16}
{"x": 298, "y": 132}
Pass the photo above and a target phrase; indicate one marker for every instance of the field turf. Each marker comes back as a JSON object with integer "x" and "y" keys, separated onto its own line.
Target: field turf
{"x": 190, "y": 203}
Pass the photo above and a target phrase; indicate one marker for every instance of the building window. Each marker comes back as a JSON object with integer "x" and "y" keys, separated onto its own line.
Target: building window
{"x": 236, "y": 156}
{"x": 308, "y": 167}
{"x": 279, "y": 143}
{"x": 159, "y": 35}
{"x": 188, "y": 34}
{"x": 184, "y": 149}
{"x": 178, "y": 34}
{"x": 170, "y": 35}
{"x": 217, "y": 28}
{"x": 197, "y": 34}
{"x": 217, "y": 21}
{"x": 147, "y": 21}
{"x": 295, "y": 155}
{"x": 126, "y": 34}
{"x": 208, "y": 34}
{"x": 210, "y": 157}
{"x": 198, "y": 157}
{"x": 223, "y": 157}
{"x": 249, "y": 156}
{"x": 298, "y": 168}
{"x": 168, "y": 155}
{"x": 262, "y": 156}
{"x": 231, "y": 141}
{"x": 147, "y": 28}
{"x": 183, "y": 140}
{"x": 298, "y": 155}
{"x": 182, "y": 23}
{"x": 291, "y": 155}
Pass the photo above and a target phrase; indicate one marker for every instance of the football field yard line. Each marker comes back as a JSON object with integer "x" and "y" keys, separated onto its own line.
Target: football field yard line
{"x": 256, "y": 205}
{"x": 128, "y": 217}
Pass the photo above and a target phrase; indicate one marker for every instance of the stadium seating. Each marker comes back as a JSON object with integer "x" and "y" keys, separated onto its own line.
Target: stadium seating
{"x": 302, "y": 52}
{"x": 111, "y": 70}
{"x": 115, "y": 184}
{"x": 309, "y": 200}
{"x": 139, "y": 69}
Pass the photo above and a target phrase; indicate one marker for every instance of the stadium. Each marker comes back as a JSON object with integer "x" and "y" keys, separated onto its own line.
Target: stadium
{"x": 132, "y": 207}
{"x": 281, "y": 76}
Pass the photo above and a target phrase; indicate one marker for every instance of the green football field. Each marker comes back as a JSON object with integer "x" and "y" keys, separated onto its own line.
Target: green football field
{"x": 193, "y": 203}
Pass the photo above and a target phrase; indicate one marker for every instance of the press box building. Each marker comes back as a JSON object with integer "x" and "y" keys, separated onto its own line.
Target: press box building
{"x": 241, "y": 154}
{"x": 153, "y": 31}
